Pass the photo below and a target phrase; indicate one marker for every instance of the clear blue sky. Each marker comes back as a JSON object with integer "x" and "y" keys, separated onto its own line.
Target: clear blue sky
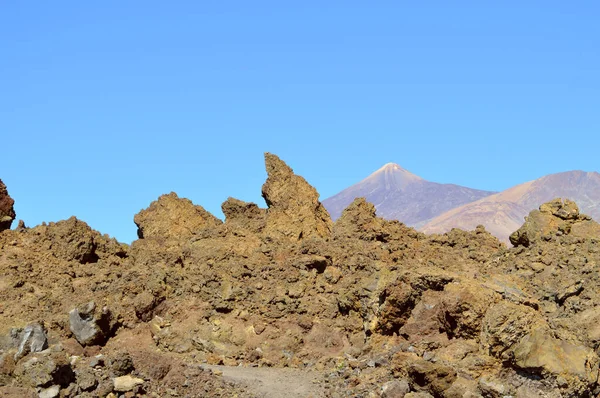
{"x": 106, "y": 105}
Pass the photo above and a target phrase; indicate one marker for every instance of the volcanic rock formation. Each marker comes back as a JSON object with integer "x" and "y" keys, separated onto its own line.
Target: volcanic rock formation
{"x": 374, "y": 307}
{"x": 7, "y": 211}
{"x": 294, "y": 209}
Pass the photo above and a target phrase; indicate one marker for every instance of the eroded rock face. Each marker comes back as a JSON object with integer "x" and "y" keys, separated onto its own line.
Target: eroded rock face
{"x": 505, "y": 324}
{"x": 557, "y": 217}
{"x": 171, "y": 217}
{"x": 294, "y": 211}
{"x": 7, "y": 211}
{"x": 540, "y": 353}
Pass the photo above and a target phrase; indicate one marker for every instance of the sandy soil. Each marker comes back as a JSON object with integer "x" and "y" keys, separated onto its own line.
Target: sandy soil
{"x": 274, "y": 382}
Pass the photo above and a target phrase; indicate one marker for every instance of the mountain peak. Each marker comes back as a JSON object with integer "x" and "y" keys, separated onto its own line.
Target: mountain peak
{"x": 398, "y": 194}
{"x": 391, "y": 166}
{"x": 394, "y": 175}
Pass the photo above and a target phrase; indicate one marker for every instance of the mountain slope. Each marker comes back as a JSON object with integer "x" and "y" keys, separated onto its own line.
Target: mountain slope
{"x": 400, "y": 195}
{"x": 503, "y": 213}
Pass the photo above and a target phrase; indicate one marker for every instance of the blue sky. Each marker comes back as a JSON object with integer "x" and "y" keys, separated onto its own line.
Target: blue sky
{"x": 104, "y": 106}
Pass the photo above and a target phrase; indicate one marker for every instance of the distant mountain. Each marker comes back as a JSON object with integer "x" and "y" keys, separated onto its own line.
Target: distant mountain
{"x": 504, "y": 212}
{"x": 400, "y": 195}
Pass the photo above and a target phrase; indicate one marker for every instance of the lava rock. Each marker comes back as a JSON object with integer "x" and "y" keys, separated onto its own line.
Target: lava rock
{"x": 88, "y": 325}
{"x": 7, "y": 211}
{"x": 294, "y": 211}
{"x": 31, "y": 339}
{"x": 171, "y": 217}
{"x": 244, "y": 215}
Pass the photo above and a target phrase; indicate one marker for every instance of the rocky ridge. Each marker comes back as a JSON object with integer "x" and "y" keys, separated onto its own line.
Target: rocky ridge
{"x": 377, "y": 308}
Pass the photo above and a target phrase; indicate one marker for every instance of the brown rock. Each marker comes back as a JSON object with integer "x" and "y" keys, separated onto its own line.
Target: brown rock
{"x": 395, "y": 389}
{"x": 554, "y": 217}
{"x": 539, "y": 352}
{"x": 505, "y": 324}
{"x": 359, "y": 220}
{"x": 398, "y": 300}
{"x": 244, "y": 215}
{"x": 464, "y": 306}
{"x": 431, "y": 377}
{"x": 71, "y": 240}
{"x": 566, "y": 210}
{"x": 7, "y": 211}
{"x": 294, "y": 209}
{"x": 171, "y": 217}
{"x": 588, "y": 229}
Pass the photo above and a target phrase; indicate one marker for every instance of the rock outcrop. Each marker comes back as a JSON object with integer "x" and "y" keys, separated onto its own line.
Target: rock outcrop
{"x": 244, "y": 215}
{"x": 294, "y": 211}
{"x": 373, "y": 306}
{"x": 171, "y": 217}
{"x": 555, "y": 217}
{"x": 7, "y": 210}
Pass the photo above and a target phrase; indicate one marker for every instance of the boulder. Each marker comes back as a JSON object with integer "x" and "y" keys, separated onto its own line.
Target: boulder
{"x": 7, "y": 210}
{"x": 244, "y": 215}
{"x": 89, "y": 325}
{"x": 44, "y": 370}
{"x": 70, "y": 240}
{"x": 359, "y": 220}
{"x": 563, "y": 209}
{"x": 430, "y": 377}
{"x": 555, "y": 217}
{"x": 397, "y": 301}
{"x": 540, "y": 353}
{"x": 31, "y": 339}
{"x": 171, "y": 217}
{"x": 464, "y": 306}
{"x": 294, "y": 211}
{"x": 505, "y": 324}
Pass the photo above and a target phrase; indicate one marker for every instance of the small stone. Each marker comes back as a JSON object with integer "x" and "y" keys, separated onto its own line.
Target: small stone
{"x": 126, "y": 383}
{"x": 50, "y": 392}
{"x": 86, "y": 379}
{"x": 395, "y": 389}
{"x": 97, "y": 361}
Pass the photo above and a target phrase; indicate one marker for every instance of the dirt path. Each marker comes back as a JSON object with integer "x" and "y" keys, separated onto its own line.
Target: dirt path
{"x": 274, "y": 382}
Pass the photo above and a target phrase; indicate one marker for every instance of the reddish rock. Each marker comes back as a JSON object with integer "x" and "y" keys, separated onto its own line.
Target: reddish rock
{"x": 7, "y": 211}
